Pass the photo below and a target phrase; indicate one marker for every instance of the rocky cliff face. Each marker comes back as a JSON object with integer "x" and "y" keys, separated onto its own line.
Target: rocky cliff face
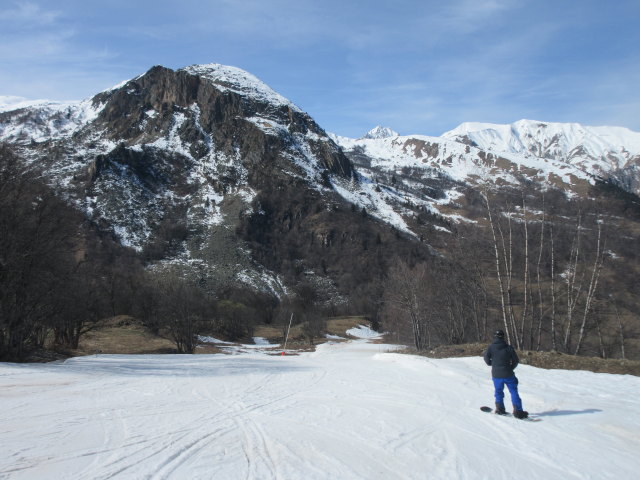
{"x": 171, "y": 161}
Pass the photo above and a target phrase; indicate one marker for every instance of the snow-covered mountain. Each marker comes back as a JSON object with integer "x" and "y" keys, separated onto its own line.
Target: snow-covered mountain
{"x": 546, "y": 152}
{"x": 430, "y": 173}
{"x": 380, "y": 132}
{"x": 609, "y": 152}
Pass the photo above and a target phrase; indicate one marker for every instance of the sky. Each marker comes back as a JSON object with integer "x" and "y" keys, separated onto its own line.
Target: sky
{"x": 419, "y": 67}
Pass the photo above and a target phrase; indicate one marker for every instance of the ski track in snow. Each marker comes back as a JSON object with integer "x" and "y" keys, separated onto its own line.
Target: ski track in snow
{"x": 350, "y": 410}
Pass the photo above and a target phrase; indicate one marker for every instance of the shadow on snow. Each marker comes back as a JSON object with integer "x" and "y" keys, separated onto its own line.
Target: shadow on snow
{"x": 556, "y": 413}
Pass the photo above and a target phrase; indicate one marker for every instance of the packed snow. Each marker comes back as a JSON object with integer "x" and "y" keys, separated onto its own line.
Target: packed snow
{"x": 350, "y": 410}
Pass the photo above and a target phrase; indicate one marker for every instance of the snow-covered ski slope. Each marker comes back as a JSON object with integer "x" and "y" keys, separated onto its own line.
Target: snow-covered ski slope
{"x": 347, "y": 411}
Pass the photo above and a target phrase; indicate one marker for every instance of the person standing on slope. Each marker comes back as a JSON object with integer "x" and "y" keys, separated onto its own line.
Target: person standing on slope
{"x": 502, "y": 359}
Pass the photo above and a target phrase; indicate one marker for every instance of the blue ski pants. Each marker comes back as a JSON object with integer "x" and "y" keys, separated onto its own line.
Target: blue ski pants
{"x": 512, "y": 385}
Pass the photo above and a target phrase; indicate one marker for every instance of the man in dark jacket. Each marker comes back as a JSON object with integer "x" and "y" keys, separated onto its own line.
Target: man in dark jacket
{"x": 503, "y": 360}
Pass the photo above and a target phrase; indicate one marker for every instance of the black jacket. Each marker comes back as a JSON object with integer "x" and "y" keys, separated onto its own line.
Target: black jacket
{"x": 502, "y": 358}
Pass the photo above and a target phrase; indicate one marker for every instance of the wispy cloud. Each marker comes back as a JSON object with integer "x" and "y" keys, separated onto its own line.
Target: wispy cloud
{"x": 467, "y": 16}
{"x": 27, "y": 14}
{"x": 420, "y": 65}
{"x": 45, "y": 54}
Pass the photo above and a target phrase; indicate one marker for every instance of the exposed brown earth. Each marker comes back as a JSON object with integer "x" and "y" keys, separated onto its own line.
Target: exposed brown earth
{"x": 125, "y": 335}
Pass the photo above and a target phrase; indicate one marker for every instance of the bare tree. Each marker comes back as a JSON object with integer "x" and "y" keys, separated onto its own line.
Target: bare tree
{"x": 554, "y": 344}
{"x": 499, "y": 267}
{"x": 620, "y": 330}
{"x": 526, "y": 272}
{"x": 405, "y": 300}
{"x": 593, "y": 285}
{"x": 184, "y": 309}
{"x": 538, "y": 277}
{"x": 39, "y": 233}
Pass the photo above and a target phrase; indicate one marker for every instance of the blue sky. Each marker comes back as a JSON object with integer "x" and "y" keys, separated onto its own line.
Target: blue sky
{"x": 416, "y": 66}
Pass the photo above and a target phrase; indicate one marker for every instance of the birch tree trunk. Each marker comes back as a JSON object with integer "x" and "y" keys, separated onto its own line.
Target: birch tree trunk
{"x": 540, "y": 300}
{"x": 554, "y": 344}
{"x": 526, "y": 273}
{"x": 574, "y": 286}
{"x": 593, "y": 285}
{"x": 498, "y": 269}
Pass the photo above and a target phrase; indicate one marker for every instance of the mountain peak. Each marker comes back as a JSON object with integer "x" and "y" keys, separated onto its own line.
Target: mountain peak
{"x": 380, "y": 132}
{"x": 239, "y": 81}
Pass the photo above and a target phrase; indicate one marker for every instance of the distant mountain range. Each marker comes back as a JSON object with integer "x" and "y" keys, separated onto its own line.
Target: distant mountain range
{"x": 550, "y": 153}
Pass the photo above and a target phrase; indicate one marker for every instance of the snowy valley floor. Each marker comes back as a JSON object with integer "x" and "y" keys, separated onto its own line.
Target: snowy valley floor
{"x": 347, "y": 411}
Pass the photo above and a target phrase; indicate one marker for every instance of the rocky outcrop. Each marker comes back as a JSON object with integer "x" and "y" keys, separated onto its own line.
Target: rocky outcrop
{"x": 205, "y": 116}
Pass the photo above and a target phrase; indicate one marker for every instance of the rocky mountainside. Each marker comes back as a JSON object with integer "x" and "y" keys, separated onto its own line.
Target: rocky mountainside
{"x": 170, "y": 161}
{"x": 208, "y": 168}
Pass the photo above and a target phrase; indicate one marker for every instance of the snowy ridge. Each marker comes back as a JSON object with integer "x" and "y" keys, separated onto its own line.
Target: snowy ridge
{"x": 239, "y": 81}
{"x": 567, "y": 156}
{"x": 11, "y": 102}
{"x": 42, "y": 120}
{"x": 431, "y": 158}
{"x": 380, "y": 132}
{"x": 594, "y": 148}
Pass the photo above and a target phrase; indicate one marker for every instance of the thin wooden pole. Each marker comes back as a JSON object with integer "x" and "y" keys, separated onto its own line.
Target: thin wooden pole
{"x": 287, "y": 335}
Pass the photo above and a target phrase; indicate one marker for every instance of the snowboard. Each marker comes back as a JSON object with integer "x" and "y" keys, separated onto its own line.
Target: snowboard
{"x": 528, "y": 419}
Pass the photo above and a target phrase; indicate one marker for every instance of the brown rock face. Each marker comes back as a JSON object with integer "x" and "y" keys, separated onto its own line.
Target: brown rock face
{"x": 211, "y": 116}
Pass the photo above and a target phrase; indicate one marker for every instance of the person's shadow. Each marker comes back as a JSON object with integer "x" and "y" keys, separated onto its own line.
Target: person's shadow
{"x": 555, "y": 413}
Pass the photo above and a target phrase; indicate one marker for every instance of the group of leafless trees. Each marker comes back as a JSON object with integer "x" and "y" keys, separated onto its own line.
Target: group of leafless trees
{"x": 60, "y": 276}
{"x": 553, "y": 273}
{"x": 168, "y": 302}
{"x": 439, "y": 302}
{"x": 47, "y": 287}
{"x": 553, "y": 291}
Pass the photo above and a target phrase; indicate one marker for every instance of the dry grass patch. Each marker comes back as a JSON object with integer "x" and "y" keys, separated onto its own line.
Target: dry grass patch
{"x": 273, "y": 333}
{"x": 126, "y": 335}
{"x": 340, "y": 325}
{"x": 123, "y": 335}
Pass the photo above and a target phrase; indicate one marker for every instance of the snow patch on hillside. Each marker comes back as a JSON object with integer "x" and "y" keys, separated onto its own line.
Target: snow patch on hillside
{"x": 40, "y": 121}
{"x": 364, "y": 331}
{"x": 239, "y": 81}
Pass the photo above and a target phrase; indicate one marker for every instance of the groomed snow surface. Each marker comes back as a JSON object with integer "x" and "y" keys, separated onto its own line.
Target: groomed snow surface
{"x": 350, "y": 410}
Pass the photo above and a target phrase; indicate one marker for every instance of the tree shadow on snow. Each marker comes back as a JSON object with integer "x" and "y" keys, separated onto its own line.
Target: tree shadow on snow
{"x": 178, "y": 365}
{"x": 555, "y": 413}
